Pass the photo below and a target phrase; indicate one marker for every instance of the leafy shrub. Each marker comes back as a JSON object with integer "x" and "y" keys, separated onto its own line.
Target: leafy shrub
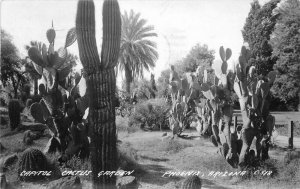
{"x": 151, "y": 114}
{"x": 4, "y": 97}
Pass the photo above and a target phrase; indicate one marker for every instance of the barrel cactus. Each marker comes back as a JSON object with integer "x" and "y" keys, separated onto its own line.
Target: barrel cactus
{"x": 32, "y": 160}
{"x": 14, "y": 110}
{"x": 101, "y": 84}
{"x": 192, "y": 182}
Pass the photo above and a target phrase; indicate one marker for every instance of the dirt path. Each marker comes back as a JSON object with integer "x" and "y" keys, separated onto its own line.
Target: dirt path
{"x": 158, "y": 163}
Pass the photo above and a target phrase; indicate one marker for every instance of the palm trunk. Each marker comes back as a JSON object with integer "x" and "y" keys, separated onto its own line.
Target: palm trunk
{"x": 128, "y": 86}
{"x": 128, "y": 78}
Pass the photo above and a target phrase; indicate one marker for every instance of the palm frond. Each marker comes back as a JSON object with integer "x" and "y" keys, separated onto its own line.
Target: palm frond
{"x": 137, "y": 51}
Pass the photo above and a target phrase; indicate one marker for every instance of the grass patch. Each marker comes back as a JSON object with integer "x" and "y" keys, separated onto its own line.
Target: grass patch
{"x": 217, "y": 163}
{"x": 127, "y": 159}
{"x": 284, "y": 131}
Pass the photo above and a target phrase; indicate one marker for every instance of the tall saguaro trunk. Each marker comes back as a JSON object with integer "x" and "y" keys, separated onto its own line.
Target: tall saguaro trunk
{"x": 101, "y": 84}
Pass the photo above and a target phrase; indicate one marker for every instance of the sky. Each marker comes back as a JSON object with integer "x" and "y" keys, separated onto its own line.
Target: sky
{"x": 180, "y": 24}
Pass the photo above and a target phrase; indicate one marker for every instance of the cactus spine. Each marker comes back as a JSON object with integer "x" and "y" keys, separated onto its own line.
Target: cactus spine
{"x": 14, "y": 110}
{"x": 101, "y": 84}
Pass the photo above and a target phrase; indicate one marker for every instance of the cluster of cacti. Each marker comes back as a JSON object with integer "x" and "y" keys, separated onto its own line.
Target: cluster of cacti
{"x": 32, "y": 160}
{"x": 182, "y": 93}
{"x": 218, "y": 104}
{"x": 191, "y": 182}
{"x": 14, "y": 112}
{"x": 56, "y": 109}
{"x": 101, "y": 84}
{"x": 215, "y": 111}
{"x": 253, "y": 94}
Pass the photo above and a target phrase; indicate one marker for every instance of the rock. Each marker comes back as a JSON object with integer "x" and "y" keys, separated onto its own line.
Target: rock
{"x": 69, "y": 182}
{"x": 33, "y": 126}
{"x": 127, "y": 182}
{"x": 165, "y": 134}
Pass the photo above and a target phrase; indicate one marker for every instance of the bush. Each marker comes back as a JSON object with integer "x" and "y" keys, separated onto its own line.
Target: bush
{"x": 172, "y": 146}
{"x": 151, "y": 114}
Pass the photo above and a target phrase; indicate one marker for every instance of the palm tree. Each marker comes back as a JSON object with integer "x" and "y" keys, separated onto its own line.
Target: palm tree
{"x": 137, "y": 51}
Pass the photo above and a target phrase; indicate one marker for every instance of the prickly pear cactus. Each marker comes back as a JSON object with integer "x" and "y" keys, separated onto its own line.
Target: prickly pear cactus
{"x": 183, "y": 92}
{"x": 218, "y": 95}
{"x": 52, "y": 109}
{"x": 14, "y": 110}
{"x": 191, "y": 182}
{"x": 253, "y": 96}
{"x": 32, "y": 160}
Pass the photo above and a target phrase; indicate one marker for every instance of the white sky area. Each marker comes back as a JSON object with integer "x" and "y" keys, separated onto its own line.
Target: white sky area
{"x": 180, "y": 24}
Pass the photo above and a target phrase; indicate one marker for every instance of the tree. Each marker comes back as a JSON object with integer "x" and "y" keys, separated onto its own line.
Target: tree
{"x": 199, "y": 55}
{"x": 285, "y": 42}
{"x": 257, "y": 30}
{"x": 11, "y": 64}
{"x": 137, "y": 51}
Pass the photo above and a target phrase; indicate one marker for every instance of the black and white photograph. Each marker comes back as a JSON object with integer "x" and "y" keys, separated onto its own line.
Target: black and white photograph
{"x": 150, "y": 94}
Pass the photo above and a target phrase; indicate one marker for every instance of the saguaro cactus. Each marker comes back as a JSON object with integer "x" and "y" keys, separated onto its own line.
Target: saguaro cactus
{"x": 101, "y": 84}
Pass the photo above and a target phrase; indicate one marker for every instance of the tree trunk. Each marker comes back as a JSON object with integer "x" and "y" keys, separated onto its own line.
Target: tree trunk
{"x": 102, "y": 126}
{"x": 128, "y": 77}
